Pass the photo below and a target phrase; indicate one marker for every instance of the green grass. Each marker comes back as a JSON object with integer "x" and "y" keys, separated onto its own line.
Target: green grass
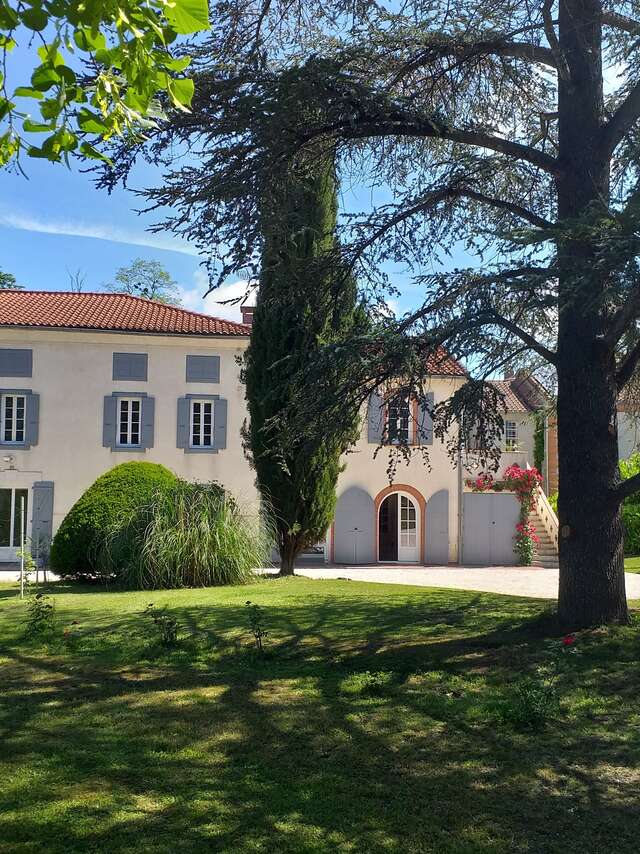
{"x": 369, "y": 727}
{"x": 632, "y": 564}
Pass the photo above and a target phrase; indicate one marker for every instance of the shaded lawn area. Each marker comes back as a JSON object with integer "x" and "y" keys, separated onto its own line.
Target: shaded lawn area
{"x": 632, "y": 564}
{"x": 110, "y": 743}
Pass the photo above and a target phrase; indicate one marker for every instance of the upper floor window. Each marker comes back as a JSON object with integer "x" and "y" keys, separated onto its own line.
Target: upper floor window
{"x": 511, "y": 435}
{"x": 12, "y": 418}
{"x": 201, "y": 431}
{"x": 128, "y": 430}
{"x": 398, "y": 420}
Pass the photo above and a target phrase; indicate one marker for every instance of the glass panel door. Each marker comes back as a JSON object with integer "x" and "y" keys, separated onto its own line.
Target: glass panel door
{"x": 11, "y": 517}
{"x": 408, "y": 530}
{"x": 5, "y": 517}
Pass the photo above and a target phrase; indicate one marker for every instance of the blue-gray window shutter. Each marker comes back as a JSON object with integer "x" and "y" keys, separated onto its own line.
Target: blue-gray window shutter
{"x": 130, "y": 366}
{"x": 32, "y": 407}
{"x": 148, "y": 416}
{"x": 183, "y": 423}
{"x": 42, "y": 519}
{"x": 16, "y": 363}
{"x": 425, "y": 419}
{"x": 109, "y": 421}
{"x": 220, "y": 424}
{"x": 437, "y": 528}
{"x": 203, "y": 369}
{"x": 375, "y": 418}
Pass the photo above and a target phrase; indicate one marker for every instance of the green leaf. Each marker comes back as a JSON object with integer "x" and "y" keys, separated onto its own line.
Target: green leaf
{"x": 91, "y": 122}
{"x": 27, "y": 92}
{"x": 188, "y": 16}
{"x": 50, "y": 53}
{"x": 43, "y": 78}
{"x": 178, "y": 64}
{"x": 5, "y": 107}
{"x": 89, "y": 41}
{"x": 67, "y": 74}
{"x": 35, "y": 19}
{"x": 181, "y": 92}
{"x": 8, "y": 17}
{"x": 29, "y": 126}
{"x": 50, "y": 108}
{"x": 89, "y": 151}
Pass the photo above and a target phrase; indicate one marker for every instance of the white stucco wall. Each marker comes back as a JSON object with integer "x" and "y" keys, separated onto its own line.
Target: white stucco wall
{"x": 72, "y": 373}
{"x": 367, "y": 470}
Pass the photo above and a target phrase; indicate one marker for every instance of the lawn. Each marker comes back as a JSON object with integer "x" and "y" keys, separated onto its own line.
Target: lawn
{"x": 632, "y": 564}
{"x": 372, "y": 724}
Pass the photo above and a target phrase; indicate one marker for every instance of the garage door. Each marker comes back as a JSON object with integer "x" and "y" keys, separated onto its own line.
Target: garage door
{"x": 489, "y": 528}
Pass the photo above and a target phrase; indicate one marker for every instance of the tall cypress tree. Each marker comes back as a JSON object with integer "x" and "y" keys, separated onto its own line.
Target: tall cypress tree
{"x": 306, "y": 300}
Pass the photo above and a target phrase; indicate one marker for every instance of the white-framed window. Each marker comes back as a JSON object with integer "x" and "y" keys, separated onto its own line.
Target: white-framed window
{"x": 511, "y": 435}
{"x": 128, "y": 426}
{"x": 201, "y": 424}
{"x": 12, "y": 502}
{"x": 12, "y": 418}
{"x": 398, "y": 420}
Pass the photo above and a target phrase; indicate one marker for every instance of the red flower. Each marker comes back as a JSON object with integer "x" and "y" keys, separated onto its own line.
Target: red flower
{"x": 569, "y": 640}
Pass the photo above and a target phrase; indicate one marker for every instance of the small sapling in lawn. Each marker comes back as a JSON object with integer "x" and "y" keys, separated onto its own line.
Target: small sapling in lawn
{"x": 167, "y": 626}
{"x": 256, "y": 623}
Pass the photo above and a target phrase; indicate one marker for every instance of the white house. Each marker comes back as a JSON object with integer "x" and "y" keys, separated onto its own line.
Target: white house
{"x": 91, "y": 380}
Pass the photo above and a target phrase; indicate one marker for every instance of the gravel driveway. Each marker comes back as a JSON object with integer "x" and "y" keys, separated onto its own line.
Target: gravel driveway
{"x": 511, "y": 580}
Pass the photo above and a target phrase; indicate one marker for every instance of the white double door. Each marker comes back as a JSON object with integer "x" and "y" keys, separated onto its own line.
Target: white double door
{"x": 399, "y": 534}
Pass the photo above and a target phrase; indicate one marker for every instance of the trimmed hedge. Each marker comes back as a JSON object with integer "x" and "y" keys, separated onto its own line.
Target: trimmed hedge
{"x": 113, "y": 497}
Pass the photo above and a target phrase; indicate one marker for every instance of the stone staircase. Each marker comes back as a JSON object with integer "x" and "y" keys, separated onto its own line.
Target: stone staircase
{"x": 546, "y": 551}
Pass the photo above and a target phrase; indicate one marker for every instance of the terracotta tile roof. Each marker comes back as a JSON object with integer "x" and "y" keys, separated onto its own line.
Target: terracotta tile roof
{"x": 513, "y": 402}
{"x": 108, "y": 312}
{"x": 442, "y": 364}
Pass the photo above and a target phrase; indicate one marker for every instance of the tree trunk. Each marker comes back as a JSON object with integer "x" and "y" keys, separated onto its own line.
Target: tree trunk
{"x": 592, "y": 589}
{"x": 289, "y": 550}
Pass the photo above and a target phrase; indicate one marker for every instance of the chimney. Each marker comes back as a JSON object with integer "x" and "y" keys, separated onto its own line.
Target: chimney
{"x": 508, "y": 373}
{"x": 247, "y": 314}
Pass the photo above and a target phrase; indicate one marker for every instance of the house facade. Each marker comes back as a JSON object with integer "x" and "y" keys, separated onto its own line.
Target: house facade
{"x": 88, "y": 381}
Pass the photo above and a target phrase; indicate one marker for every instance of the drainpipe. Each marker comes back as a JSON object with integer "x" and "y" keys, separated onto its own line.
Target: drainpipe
{"x": 460, "y": 506}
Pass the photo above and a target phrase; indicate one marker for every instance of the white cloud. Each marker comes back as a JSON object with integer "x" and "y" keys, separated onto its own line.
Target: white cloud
{"x": 97, "y": 232}
{"x": 193, "y": 299}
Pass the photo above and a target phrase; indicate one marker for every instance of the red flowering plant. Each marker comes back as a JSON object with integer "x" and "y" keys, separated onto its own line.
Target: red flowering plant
{"x": 525, "y": 484}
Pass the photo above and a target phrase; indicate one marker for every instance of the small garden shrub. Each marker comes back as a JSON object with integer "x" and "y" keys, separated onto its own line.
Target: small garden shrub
{"x": 40, "y": 615}
{"x": 81, "y": 536}
{"x": 535, "y": 700}
{"x": 190, "y": 535}
{"x": 530, "y": 704}
{"x": 256, "y": 622}
{"x": 166, "y": 625}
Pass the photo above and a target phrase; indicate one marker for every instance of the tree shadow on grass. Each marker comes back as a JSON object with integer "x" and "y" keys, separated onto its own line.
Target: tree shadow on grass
{"x": 270, "y": 755}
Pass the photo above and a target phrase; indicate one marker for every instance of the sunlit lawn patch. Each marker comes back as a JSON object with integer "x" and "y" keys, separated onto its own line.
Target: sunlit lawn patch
{"x": 368, "y": 725}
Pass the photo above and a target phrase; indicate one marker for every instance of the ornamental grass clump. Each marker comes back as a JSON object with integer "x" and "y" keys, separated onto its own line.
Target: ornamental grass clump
{"x": 190, "y": 535}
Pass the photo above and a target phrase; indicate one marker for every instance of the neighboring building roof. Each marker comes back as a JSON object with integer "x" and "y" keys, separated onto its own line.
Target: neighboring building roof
{"x": 442, "y": 364}
{"x": 108, "y": 312}
{"x": 521, "y": 393}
